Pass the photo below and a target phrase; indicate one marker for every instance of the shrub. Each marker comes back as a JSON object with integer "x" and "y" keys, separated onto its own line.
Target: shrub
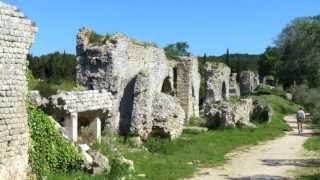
{"x": 268, "y": 90}
{"x": 98, "y": 38}
{"x": 49, "y": 152}
{"x": 197, "y": 121}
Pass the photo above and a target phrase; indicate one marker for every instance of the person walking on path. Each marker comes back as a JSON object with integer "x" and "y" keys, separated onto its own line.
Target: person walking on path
{"x": 300, "y": 118}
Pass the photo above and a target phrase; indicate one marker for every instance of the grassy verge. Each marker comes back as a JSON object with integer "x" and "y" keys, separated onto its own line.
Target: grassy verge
{"x": 312, "y": 145}
{"x": 180, "y": 158}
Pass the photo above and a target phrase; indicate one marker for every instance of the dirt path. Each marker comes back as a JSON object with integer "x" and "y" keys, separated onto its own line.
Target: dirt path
{"x": 270, "y": 160}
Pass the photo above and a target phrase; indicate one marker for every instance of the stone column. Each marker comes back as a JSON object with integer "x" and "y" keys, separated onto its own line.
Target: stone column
{"x": 95, "y": 127}
{"x": 72, "y": 126}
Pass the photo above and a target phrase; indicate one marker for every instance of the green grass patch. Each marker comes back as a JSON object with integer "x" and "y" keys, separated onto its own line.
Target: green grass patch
{"x": 312, "y": 144}
{"x": 180, "y": 158}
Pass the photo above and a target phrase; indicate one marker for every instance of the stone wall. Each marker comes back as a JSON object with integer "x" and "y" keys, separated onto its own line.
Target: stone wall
{"x": 188, "y": 85}
{"x": 155, "y": 112}
{"x": 234, "y": 89}
{"x": 249, "y": 81}
{"x": 114, "y": 64}
{"x": 228, "y": 114}
{"x": 16, "y": 37}
{"x": 70, "y": 108}
{"x": 217, "y": 77}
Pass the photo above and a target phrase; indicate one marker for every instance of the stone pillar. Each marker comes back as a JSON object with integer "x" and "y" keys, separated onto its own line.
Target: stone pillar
{"x": 95, "y": 127}
{"x": 16, "y": 36}
{"x": 72, "y": 126}
{"x": 184, "y": 87}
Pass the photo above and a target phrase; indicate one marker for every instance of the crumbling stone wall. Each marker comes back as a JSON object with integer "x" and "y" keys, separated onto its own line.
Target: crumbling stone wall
{"x": 228, "y": 114}
{"x": 155, "y": 112}
{"x": 188, "y": 85}
{"x": 16, "y": 36}
{"x": 168, "y": 116}
{"x": 234, "y": 89}
{"x": 141, "y": 120}
{"x": 249, "y": 81}
{"x": 114, "y": 64}
{"x": 68, "y": 107}
{"x": 217, "y": 77}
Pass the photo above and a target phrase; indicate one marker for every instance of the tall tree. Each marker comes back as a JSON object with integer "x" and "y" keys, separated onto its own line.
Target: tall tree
{"x": 299, "y": 48}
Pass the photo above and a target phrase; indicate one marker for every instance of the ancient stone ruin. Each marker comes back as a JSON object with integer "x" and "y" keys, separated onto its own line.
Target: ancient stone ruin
{"x": 249, "y": 81}
{"x": 217, "y": 78}
{"x": 140, "y": 77}
{"x": 16, "y": 37}
{"x": 81, "y": 109}
{"x": 234, "y": 89}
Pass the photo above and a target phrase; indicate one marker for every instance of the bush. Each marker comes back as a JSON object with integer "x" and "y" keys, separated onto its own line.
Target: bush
{"x": 309, "y": 98}
{"x": 268, "y": 90}
{"x": 49, "y": 152}
{"x": 197, "y": 121}
{"x": 97, "y": 38}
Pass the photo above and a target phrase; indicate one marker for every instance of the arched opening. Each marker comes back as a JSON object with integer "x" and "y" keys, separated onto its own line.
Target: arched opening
{"x": 167, "y": 87}
{"x": 224, "y": 90}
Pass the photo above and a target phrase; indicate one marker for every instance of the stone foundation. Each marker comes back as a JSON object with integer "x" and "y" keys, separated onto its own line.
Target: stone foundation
{"x": 16, "y": 36}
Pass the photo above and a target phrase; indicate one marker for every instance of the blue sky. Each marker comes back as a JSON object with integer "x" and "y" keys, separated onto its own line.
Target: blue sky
{"x": 210, "y": 26}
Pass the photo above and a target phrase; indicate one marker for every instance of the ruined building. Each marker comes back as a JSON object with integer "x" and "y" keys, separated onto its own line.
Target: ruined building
{"x": 249, "y": 81}
{"x": 220, "y": 85}
{"x": 217, "y": 78}
{"x": 81, "y": 109}
{"x": 16, "y": 37}
{"x": 142, "y": 81}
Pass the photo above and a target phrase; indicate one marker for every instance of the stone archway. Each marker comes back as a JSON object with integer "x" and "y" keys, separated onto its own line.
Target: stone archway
{"x": 167, "y": 86}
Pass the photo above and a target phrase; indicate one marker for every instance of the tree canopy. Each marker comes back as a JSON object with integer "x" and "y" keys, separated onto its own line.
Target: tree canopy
{"x": 299, "y": 52}
{"x": 173, "y": 51}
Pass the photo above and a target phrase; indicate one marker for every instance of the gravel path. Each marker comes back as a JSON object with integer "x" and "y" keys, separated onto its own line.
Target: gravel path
{"x": 270, "y": 160}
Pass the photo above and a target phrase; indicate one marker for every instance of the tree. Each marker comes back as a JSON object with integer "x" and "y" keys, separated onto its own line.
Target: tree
{"x": 173, "y": 51}
{"x": 268, "y": 62}
{"x": 227, "y": 61}
{"x": 299, "y": 50}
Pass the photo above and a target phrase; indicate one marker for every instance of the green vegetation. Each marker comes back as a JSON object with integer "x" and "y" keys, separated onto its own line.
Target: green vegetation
{"x": 167, "y": 159}
{"x": 49, "y": 152}
{"x": 197, "y": 121}
{"x": 237, "y": 62}
{"x": 144, "y": 44}
{"x": 310, "y": 99}
{"x": 265, "y": 90}
{"x": 95, "y": 38}
{"x": 52, "y": 72}
{"x": 173, "y": 51}
{"x": 313, "y": 144}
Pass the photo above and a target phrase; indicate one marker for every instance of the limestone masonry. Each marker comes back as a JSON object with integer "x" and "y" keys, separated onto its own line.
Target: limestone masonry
{"x": 114, "y": 65}
{"x": 217, "y": 78}
{"x": 16, "y": 37}
{"x": 72, "y": 109}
